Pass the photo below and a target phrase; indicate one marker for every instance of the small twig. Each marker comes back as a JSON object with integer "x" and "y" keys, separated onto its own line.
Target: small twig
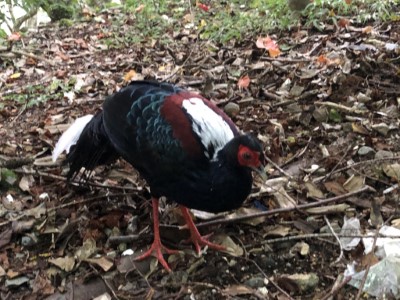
{"x": 283, "y": 103}
{"x": 316, "y": 236}
{"x": 364, "y": 279}
{"x": 18, "y": 22}
{"x": 105, "y": 281}
{"x": 337, "y": 239}
{"x": 365, "y": 162}
{"x": 44, "y": 174}
{"x": 11, "y": 12}
{"x": 266, "y": 277}
{"x": 275, "y": 97}
{"x": 14, "y": 163}
{"x": 84, "y": 201}
{"x": 279, "y": 168}
{"x": 77, "y": 183}
{"x": 288, "y": 60}
{"x": 179, "y": 67}
{"x": 339, "y": 162}
{"x": 19, "y": 114}
{"x": 298, "y": 154}
{"x": 341, "y": 107}
{"x": 286, "y": 209}
{"x": 112, "y": 240}
{"x": 391, "y": 189}
{"x": 336, "y": 289}
{"x": 34, "y": 56}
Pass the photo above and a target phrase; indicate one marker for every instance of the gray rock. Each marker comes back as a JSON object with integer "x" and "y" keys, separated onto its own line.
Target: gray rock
{"x": 365, "y": 150}
{"x": 383, "y": 154}
{"x": 382, "y": 128}
{"x": 255, "y": 282}
{"x": 232, "y": 109}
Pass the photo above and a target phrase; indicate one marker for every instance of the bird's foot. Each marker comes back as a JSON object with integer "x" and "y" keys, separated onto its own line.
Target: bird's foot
{"x": 195, "y": 236}
{"x": 201, "y": 241}
{"x": 156, "y": 250}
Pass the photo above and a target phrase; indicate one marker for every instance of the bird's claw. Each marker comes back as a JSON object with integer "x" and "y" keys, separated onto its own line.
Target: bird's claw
{"x": 201, "y": 241}
{"x": 157, "y": 250}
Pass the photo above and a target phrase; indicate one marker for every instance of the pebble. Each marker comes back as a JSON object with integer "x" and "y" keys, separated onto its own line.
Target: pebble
{"x": 255, "y": 282}
{"x": 231, "y": 109}
{"x": 382, "y": 128}
{"x": 383, "y": 154}
{"x": 365, "y": 150}
{"x": 321, "y": 114}
{"x": 303, "y": 282}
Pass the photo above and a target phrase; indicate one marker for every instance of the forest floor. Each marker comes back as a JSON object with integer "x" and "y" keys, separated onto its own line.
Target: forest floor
{"x": 324, "y": 104}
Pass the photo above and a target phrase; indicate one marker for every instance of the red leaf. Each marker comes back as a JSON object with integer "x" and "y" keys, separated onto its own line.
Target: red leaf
{"x": 268, "y": 44}
{"x": 343, "y": 22}
{"x": 202, "y": 6}
{"x": 15, "y": 36}
{"x": 244, "y": 82}
{"x": 322, "y": 59}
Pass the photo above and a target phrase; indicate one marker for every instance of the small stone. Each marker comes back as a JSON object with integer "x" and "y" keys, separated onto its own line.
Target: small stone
{"x": 27, "y": 241}
{"x": 255, "y": 282}
{"x": 365, "y": 150}
{"x": 299, "y": 282}
{"x": 382, "y": 128}
{"x": 302, "y": 248}
{"x": 383, "y": 154}
{"x": 15, "y": 282}
{"x": 363, "y": 98}
{"x": 231, "y": 109}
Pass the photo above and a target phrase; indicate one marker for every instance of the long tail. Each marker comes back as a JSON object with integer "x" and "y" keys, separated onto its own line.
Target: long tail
{"x": 86, "y": 143}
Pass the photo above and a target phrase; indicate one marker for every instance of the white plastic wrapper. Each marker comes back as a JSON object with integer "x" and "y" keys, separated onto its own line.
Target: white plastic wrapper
{"x": 351, "y": 226}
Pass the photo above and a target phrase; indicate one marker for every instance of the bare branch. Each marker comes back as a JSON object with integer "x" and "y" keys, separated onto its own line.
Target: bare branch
{"x": 18, "y": 22}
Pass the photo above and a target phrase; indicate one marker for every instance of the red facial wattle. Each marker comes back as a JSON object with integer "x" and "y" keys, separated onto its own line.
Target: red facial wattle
{"x": 248, "y": 157}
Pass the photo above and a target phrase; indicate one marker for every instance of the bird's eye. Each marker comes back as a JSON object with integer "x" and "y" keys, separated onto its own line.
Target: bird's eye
{"x": 246, "y": 156}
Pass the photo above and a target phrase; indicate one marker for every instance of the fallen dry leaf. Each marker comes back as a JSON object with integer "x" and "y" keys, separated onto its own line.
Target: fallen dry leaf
{"x": 335, "y": 188}
{"x": 244, "y": 82}
{"x": 203, "y": 6}
{"x": 238, "y": 289}
{"x": 102, "y": 262}
{"x": 343, "y": 22}
{"x": 268, "y": 44}
{"x": 392, "y": 171}
{"x": 140, "y": 8}
{"x": 230, "y": 246}
{"x": 367, "y": 29}
{"x": 64, "y": 263}
{"x": 15, "y": 36}
{"x": 128, "y": 77}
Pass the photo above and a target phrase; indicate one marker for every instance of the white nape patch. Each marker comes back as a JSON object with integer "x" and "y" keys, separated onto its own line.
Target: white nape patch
{"x": 70, "y": 136}
{"x": 208, "y": 125}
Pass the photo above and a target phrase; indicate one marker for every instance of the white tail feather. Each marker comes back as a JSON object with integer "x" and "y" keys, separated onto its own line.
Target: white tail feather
{"x": 70, "y": 136}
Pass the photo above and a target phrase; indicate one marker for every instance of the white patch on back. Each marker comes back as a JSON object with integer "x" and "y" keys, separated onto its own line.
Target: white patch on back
{"x": 70, "y": 136}
{"x": 208, "y": 125}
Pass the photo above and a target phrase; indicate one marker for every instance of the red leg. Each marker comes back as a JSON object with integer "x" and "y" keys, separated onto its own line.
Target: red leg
{"x": 157, "y": 247}
{"x": 195, "y": 236}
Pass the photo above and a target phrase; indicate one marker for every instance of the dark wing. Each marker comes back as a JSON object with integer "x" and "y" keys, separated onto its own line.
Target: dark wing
{"x": 155, "y": 127}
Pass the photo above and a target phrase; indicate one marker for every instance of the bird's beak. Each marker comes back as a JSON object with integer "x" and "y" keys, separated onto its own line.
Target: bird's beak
{"x": 260, "y": 170}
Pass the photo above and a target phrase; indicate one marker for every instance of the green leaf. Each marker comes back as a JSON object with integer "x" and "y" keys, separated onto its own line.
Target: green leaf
{"x": 335, "y": 116}
{"x": 7, "y": 176}
{"x": 3, "y": 34}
